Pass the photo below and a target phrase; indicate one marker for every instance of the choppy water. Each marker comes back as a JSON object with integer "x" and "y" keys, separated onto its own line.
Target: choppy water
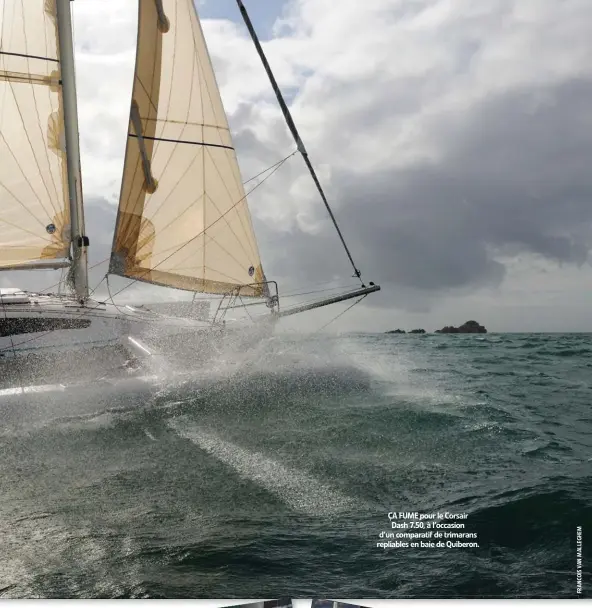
{"x": 275, "y": 479}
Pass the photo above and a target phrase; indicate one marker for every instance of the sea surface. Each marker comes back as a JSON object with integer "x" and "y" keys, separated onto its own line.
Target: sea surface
{"x": 271, "y": 473}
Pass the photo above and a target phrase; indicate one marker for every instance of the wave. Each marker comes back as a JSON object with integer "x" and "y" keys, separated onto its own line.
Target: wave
{"x": 297, "y": 489}
{"x": 538, "y": 515}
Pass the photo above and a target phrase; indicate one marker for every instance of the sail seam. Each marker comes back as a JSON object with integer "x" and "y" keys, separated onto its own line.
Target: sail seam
{"x": 46, "y": 150}
{"x": 238, "y": 182}
{"x": 30, "y": 186}
{"x": 60, "y": 198}
{"x": 4, "y": 221}
{"x": 224, "y": 288}
{"x": 248, "y": 256}
{"x": 28, "y": 136}
{"x": 202, "y": 70}
{"x": 147, "y": 272}
{"x": 180, "y": 122}
{"x": 175, "y": 248}
{"x": 245, "y": 233}
{"x": 222, "y": 216}
{"x": 200, "y": 73}
{"x": 175, "y": 185}
{"x": 183, "y": 141}
{"x": 167, "y": 120}
{"x": 215, "y": 221}
{"x": 240, "y": 187}
{"x": 211, "y": 240}
{"x": 141, "y": 195}
{"x": 33, "y": 190}
{"x": 175, "y": 219}
{"x": 235, "y": 281}
{"x": 140, "y": 199}
{"x": 8, "y": 77}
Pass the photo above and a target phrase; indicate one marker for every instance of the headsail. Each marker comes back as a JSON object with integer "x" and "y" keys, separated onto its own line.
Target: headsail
{"x": 34, "y": 207}
{"x": 183, "y": 218}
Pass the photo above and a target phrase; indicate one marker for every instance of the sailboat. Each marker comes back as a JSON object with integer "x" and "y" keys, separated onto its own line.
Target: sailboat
{"x": 183, "y": 220}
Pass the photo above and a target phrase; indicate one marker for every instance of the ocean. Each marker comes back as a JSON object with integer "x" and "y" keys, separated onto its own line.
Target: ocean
{"x": 272, "y": 473}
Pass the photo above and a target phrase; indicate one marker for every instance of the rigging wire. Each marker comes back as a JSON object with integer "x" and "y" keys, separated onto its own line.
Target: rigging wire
{"x": 245, "y": 307}
{"x": 98, "y": 285}
{"x": 294, "y": 132}
{"x": 270, "y": 168}
{"x": 46, "y": 289}
{"x": 306, "y": 293}
{"x": 134, "y": 281}
{"x": 50, "y": 331}
{"x": 273, "y": 167}
{"x": 342, "y": 313}
{"x": 295, "y": 295}
{"x": 62, "y": 278}
{"x": 106, "y": 277}
{"x": 85, "y": 312}
{"x": 317, "y": 284}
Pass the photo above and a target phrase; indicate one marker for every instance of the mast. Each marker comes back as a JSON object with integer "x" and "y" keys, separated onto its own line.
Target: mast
{"x": 294, "y": 131}
{"x": 79, "y": 238}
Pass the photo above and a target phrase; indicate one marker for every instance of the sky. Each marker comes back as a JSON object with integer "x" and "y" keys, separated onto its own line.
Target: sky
{"x": 453, "y": 140}
{"x": 263, "y": 13}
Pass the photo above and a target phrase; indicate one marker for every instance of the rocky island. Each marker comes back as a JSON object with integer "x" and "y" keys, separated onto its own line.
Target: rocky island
{"x": 470, "y": 327}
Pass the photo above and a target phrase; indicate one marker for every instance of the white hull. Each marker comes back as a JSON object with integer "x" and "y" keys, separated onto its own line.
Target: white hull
{"x": 103, "y": 327}
{"x": 52, "y": 340}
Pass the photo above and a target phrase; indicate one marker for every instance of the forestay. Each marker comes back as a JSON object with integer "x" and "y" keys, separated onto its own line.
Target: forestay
{"x": 34, "y": 208}
{"x": 183, "y": 218}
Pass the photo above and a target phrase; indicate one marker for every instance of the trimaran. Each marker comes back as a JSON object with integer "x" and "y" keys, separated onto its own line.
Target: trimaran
{"x": 183, "y": 221}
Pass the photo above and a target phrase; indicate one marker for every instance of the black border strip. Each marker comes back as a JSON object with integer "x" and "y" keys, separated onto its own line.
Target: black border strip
{"x": 181, "y": 141}
{"x": 29, "y": 56}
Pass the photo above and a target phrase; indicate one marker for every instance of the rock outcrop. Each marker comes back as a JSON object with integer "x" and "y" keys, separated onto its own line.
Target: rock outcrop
{"x": 395, "y": 331}
{"x": 417, "y": 331}
{"x": 470, "y": 327}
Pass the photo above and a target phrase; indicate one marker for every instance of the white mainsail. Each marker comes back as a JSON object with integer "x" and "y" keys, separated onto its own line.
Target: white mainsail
{"x": 183, "y": 218}
{"x": 34, "y": 207}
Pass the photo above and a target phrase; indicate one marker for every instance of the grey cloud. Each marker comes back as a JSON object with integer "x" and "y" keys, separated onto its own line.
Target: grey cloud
{"x": 513, "y": 177}
{"x": 100, "y": 222}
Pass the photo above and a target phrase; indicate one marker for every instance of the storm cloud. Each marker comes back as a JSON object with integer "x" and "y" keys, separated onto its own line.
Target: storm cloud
{"x": 453, "y": 140}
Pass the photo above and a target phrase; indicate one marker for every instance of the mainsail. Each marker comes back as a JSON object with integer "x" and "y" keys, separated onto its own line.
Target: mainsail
{"x": 183, "y": 218}
{"x": 34, "y": 207}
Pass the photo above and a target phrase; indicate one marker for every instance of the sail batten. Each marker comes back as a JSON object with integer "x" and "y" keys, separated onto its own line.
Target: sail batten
{"x": 183, "y": 218}
{"x": 34, "y": 207}
{"x": 181, "y": 141}
{"x": 29, "y": 56}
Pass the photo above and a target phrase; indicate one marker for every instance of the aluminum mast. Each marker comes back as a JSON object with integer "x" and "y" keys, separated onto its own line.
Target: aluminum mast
{"x": 79, "y": 238}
